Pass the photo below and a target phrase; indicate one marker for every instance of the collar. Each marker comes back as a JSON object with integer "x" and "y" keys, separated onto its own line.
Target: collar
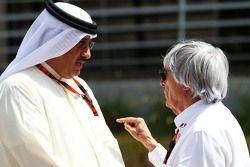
{"x": 183, "y": 120}
{"x": 57, "y": 76}
{"x": 52, "y": 71}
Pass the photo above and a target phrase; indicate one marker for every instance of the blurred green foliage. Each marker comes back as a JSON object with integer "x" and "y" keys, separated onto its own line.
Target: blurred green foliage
{"x": 134, "y": 154}
{"x": 158, "y": 118}
{"x": 242, "y": 113}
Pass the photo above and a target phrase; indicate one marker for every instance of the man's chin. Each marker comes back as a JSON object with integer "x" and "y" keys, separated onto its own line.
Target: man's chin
{"x": 166, "y": 104}
{"x": 76, "y": 73}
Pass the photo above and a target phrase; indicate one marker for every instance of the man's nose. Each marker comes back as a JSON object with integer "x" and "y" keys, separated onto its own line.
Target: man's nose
{"x": 86, "y": 53}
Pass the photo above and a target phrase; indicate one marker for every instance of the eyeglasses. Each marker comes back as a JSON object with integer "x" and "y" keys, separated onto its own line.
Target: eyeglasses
{"x": 83, "y": 44}
{"x": 163, "y": 74}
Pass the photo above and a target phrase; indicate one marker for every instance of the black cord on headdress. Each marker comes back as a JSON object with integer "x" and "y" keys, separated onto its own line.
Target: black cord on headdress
{"x": 69, "y": 19}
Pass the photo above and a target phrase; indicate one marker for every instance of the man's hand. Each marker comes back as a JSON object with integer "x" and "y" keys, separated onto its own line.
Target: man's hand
{"x": 139, "y": 130}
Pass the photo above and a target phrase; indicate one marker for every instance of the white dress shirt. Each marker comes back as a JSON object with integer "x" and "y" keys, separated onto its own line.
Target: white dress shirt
{"x": 209, "y": 136}
{"x": 42, "y": 124}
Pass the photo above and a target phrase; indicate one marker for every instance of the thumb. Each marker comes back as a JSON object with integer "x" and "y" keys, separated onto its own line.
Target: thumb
{"x": 129, "y": 128}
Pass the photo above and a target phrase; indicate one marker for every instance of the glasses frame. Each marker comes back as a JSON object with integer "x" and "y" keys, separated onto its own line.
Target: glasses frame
{"x": 84, "y": 44}
{"x": 163, "y": 73}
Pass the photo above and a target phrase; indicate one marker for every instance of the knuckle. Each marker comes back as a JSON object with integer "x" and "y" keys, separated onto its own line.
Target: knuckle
{"x": 140, "y": 119}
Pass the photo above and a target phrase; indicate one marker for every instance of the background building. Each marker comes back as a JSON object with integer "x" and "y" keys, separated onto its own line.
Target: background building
{"x": 134, "y": 34}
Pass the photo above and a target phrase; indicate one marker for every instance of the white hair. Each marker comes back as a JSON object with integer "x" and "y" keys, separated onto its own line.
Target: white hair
{"x": 201, "y": 67}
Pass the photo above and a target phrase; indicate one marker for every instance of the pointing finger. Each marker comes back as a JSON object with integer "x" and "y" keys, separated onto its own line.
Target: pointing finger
{"x": 127, "y": 119}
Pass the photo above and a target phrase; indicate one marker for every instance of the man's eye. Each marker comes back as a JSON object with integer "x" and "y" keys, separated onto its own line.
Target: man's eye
{"x": 82, "y": 45}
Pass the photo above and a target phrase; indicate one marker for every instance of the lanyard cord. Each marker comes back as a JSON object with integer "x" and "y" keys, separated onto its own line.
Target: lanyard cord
{"x": 171, "y": 146}
{"x": 85, "y": 94}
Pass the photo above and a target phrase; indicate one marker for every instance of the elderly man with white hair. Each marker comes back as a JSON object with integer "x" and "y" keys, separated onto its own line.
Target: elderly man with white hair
{"x": 194, "y": 81}
{"x": 49, "y": 116}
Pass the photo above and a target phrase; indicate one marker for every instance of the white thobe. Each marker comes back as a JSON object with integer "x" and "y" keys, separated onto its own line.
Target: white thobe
{"x": 42, "y": 124}
{"x": 210, "y": 136}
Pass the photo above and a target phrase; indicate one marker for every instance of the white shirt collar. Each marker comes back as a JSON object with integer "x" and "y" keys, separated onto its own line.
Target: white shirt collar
{"x": 54, "y": 73}
{"x": 51, "y": 70}
{"x": 57, "y": 76}
{"x": 183, "y": 120}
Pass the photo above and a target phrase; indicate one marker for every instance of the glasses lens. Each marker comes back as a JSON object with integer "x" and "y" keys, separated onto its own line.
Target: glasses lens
{"x": 86, "y": 44}
{"x": 91, "y": 44}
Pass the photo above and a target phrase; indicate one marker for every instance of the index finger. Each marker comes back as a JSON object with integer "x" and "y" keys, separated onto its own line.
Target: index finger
{"x": 127, "y": 120}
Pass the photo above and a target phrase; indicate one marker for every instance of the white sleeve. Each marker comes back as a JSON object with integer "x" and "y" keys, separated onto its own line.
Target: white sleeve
{"x": 24, "y": 129}
{"x": 156, "y": 157}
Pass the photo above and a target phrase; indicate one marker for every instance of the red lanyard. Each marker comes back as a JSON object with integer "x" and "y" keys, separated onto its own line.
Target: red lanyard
{"x": 171, "y": 146}
{"x": 85, "y": 94}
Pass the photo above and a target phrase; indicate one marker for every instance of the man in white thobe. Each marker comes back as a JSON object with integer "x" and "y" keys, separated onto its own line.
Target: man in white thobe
{"x": 49, "y": 117}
